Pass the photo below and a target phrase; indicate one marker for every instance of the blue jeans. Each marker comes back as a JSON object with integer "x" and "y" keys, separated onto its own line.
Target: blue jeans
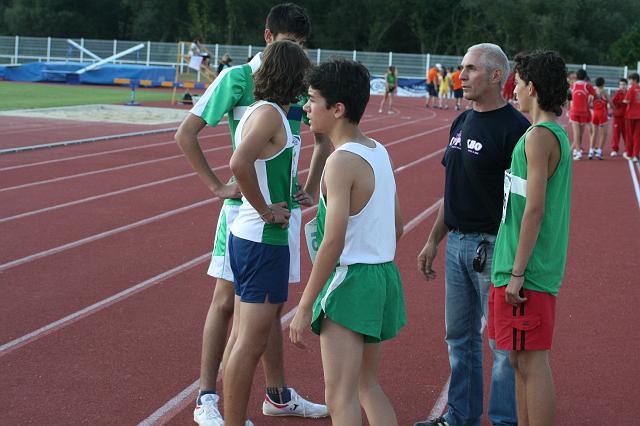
{"x": 467, "y": 295}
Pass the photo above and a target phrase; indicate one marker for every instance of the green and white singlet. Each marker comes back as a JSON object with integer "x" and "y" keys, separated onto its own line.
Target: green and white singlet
{"x": 231, "y": 93}
{"x": 546, "y": 265}
{"x": 364, "y": 293}
{"x": 275, "y": 178}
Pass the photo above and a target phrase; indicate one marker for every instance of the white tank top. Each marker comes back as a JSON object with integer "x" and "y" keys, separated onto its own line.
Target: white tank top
{"x": 371, "y": 233}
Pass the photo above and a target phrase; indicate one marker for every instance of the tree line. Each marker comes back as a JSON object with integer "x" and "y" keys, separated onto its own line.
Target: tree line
{"x": 583, "y": 31}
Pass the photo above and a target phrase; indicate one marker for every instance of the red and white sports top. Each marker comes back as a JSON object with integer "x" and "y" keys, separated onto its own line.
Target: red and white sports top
{"x": 580, "y": 92}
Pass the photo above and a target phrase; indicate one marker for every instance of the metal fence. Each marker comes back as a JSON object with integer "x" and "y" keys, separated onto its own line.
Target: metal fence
{"x": 17, "y": 50}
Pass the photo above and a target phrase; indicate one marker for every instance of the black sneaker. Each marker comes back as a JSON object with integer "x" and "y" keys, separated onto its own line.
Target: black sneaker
{"x": 440, "y": 421}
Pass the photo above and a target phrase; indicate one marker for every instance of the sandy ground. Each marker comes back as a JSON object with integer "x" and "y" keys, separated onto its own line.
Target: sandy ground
{"x": 105, "y": 113}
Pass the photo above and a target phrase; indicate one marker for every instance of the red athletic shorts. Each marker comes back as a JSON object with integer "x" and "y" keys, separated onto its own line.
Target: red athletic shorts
{"x": 600, "y": 117}
{"x": 527, "y": 327}
{"x": 583, "y": 117}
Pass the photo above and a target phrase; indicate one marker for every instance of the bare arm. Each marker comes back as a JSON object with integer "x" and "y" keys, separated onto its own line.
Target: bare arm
{"x": 260, "y": 129}
{"x": 187, "y": 138}
{"x": 430, "y": 249}
{"x": 321, "y": 151}
{"x": 339, "y": 180}
{"x": 539, "y": 145}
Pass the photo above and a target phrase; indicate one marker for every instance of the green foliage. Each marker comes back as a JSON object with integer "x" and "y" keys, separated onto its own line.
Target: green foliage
{"x": 590, "y": 31}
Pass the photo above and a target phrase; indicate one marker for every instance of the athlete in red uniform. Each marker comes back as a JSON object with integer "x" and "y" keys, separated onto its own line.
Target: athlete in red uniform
{"x": 599, "y": 120}
{"x": 579, "y": 113}
{"x": 619, "y": 108}
{"x": 632, "y": 99}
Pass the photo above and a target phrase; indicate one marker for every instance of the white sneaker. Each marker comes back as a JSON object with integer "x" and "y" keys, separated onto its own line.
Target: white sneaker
{"x": 614, "y": 153}
{"x": 599, "y": 154}
{"x": 297, "y": 406}
{"x": 577, "y": 155}
{"x": 207, "y": 413}
{"x": 625, "y": 156}
{"x": 634, "y": 159}
{"x": 591, "y": 152}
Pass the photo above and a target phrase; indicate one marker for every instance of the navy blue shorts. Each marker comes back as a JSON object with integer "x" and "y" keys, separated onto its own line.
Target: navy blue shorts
{"x": 261, "y": 271}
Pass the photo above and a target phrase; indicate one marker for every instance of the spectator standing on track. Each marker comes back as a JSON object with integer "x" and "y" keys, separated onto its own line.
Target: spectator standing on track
{"x": 599, "y": 120}
{"x": 479, "y": 151}
{"x": 531, "y": 249}
{"x": 619, "y": 108}
{"x": 264, "y": 163}
{"x": 354, "y": 298}
{"x": 579, "y": 114}
{"x": 231, "y": 94}
{"x": 432, "y": 89}
{"x": 632, "y": 115}
{"x": 445, "y": 84}
{"x": 457, "y": 88}
{"x": 390, "y": 86}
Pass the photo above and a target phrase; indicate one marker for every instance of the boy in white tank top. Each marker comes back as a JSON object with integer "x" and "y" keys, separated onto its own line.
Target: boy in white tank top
{"x": 357, "y": 304}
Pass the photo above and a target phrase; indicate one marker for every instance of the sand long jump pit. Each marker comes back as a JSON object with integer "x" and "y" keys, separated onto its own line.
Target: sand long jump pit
{"x": 106, "y": 114}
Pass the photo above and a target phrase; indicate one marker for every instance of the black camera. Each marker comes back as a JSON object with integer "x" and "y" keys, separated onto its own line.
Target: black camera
{"x": 481, "y": 256}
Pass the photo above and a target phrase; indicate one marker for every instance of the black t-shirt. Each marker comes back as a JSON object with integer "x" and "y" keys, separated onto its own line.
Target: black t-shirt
{"x": 479, "y": 151}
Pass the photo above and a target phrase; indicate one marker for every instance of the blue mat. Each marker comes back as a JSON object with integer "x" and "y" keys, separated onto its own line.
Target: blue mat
{"x": 64, "y": 71}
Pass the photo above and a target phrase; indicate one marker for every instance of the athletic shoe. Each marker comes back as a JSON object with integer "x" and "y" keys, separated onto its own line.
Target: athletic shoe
{"x": 440, "y": 421}
{"x": 625, "y": 156}
{"x": 380, "y": 111}
{"x": 297, "y": 406}
{"x": 634, "y": 159}
{"x": 577, "y": 155}
{"x": 591, "y": 154}
{"x": 599, "y": 154}
{"x": 207, "y": 413}
{"x": 614, "y": 153}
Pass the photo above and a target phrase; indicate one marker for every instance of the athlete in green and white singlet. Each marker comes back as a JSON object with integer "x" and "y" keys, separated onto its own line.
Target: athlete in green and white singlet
{"x": 231, "y": 93}
{"x": 364, "y": 293}
{"x": 275, "y": 179}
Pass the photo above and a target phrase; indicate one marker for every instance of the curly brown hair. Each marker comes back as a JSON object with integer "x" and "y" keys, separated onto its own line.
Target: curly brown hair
{"x": 548, "y": 72}
{"x": 280, "y": 78}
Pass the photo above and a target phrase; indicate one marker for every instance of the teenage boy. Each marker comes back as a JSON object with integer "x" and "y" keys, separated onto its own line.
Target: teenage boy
{"x": 619, "y": 108}
{"x": 231, "y": 94}
{"x": 354, "y": 298}
{"x": 531, "y": 248}
{"x": 632, "y": 116}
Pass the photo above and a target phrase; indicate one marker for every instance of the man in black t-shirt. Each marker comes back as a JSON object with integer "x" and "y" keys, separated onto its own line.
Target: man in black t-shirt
{"x": 480, "y": 144}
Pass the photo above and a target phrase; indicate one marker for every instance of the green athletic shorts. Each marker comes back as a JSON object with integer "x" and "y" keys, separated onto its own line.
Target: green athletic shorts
{"x": 367, "y": 299}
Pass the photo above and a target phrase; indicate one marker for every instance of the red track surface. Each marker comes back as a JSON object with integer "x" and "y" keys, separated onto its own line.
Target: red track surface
{"x": 83, "y": 223}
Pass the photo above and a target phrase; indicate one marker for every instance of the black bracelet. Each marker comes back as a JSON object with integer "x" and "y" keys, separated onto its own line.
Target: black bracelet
{"x": 517, "y": 276}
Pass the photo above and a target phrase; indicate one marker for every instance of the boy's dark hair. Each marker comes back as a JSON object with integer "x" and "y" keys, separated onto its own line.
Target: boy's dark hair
{"x": 280, "y": 78}
{"x": 289, "y": 18}
{"x": 548, "y": 72}
{"x": 581, "y": 74}
{"x": 634, "y": 76}
{"x": 623, "y": 80}
{"x": 600, "y": 81}
{"x": 344, "y": 81}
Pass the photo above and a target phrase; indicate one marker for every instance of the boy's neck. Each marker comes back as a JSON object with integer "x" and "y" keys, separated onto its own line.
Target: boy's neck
{"x": 344, "y": 131}
{"x": 541, "y": 116}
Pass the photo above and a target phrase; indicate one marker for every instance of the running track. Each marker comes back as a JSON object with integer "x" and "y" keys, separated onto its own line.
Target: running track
{"x": 104, "y": 292}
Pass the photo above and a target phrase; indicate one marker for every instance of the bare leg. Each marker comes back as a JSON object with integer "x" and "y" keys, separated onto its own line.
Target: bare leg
{"x": 593, "y": 135}
{"x": 373, "y": 399}
{"x": 253, "y": 329}
{"x": 384, "y": 98}
{"x": 391, "y": 102}
{"x": 273, "y": 357}
{"x": 603, "y": 137}
{"x": 234, "y": 333}
{"x": 534, "y": 376}
{"x": 342, "y": 351}
{"x": 521, "y": 395}
{"x": 214, "y": 335}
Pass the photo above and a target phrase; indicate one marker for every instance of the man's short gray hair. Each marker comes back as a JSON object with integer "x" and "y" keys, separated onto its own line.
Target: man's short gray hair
{"x": 493, "y": 58}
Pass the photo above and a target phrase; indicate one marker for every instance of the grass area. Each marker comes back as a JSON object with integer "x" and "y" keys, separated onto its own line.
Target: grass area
{"x": 38, "y": 95}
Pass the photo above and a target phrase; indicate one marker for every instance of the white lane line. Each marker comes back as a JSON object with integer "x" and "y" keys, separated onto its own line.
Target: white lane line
{"x": 634, "y": 178}
{"x": 86, "y": 140}
{"x": 95, "y": 154}
{"x": 63, "y": 322}
{"x": 147, "y": 185}
{"x": 146, "y": 221}
{"x": 153, "y": 161}
{"x": 172, "y": 407}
